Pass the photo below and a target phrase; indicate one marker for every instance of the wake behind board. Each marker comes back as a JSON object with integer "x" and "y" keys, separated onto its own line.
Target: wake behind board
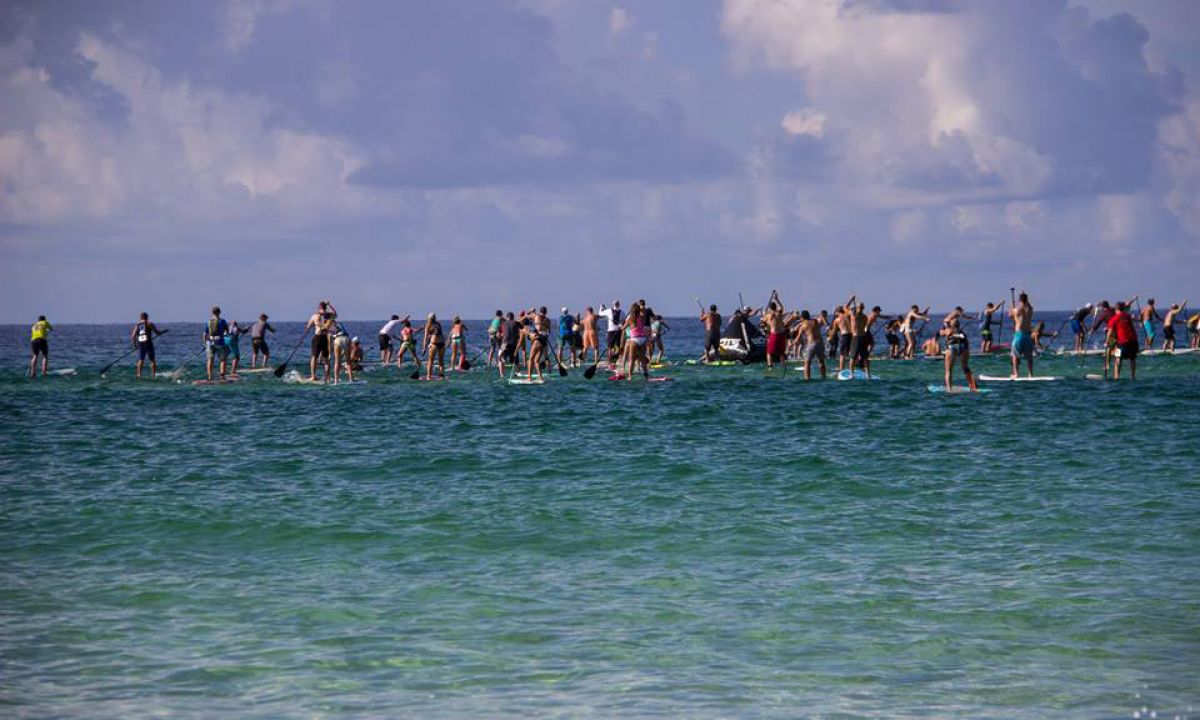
{"x": 1008, "y": 378}
{"x": 956, "y": 390}
{"x": 855, "y": 375}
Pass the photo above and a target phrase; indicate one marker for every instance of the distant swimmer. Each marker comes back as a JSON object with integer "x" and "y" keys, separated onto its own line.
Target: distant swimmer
{"x": 39, "y": 346}
{"x": 814, "y": 345}
{"x": 591, "y": 340}
{"x": 1149, "y": 316}
{"x": 214, "y": 342}
{"x": 320, "y": 322}
{"x": 909, "y": 332}
{"x": 957, "y": 348}
{"x": 458, "y": 343}
{"x": 1124, "y": 338}
{"x": 434, "y": 341}
{"x": 1022, "y": 340}
{"x": 985, "y": 325}
{"x": 387, "y": 334}
{"x": 712, "y": 333}
{"x": 258, "y": 341}
{"x": 1079, "y": 327}
{"x": 142, "y": 335}
{"x": 1169, "y": 324}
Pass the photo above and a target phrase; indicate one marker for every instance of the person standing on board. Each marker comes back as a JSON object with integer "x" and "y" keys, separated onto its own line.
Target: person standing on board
{"x": 1022, "y": 340}
{"x": 320, "y": 322}
{"x": 215, "y": 331}
{"x": 38, "y": 346}
{"x": 908, "y": 331}
{"x": 814, "y": 345}
{"x": 1078, "y": 328}
{"x": 591, "y": 339}
{"x": 232, "y": 339}
{"x": 258, "y": 341}
{"x": 1124, "y": 337}
{"x": 434, "y": 341}
{"x": 495, "y": 333}
{"x": 712, "y": 334}
{"x": 776, "y": 328}
{"x": 509, "y": 339}
{"x": 614, "y": 327}
{"x": 1169, "y": 325}
{"x": 458, "y": 343}
{"x": 385, "y": 339}
{"x": 566, "y": 336}
{"x": 1149, "y": 316}
{"x": 1193, "y": 327}
{"x": 408, "y": 344}
{"x": 957, "y": 348}
{"x": 985, "y": 327}
{"x": 142, "y": 335}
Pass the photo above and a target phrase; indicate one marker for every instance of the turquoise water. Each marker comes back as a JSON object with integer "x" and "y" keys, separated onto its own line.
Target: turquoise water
{"x": 729, "y": 544}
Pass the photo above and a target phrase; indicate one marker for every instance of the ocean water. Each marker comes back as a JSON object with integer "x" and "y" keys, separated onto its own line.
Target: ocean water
{"x": 730, "y": 544}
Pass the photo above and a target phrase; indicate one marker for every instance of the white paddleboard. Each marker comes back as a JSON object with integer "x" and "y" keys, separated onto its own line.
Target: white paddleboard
{"x": 525, "y": 381}
{"x": 955, "y": 390}
{"x": 856, "y": 375}
{"x": 65, "y": 372}
{"x": 1181, "y": 351}
{"x": 1007, "y": 378}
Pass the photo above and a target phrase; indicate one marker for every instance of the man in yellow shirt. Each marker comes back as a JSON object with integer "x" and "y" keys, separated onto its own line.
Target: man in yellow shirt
{"x": 39, "y": 346}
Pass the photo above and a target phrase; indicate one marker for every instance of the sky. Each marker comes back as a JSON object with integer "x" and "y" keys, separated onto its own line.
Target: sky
{"x": 461, "y": 156}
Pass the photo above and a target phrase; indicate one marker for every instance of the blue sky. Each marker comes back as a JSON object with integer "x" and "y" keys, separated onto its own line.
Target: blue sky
{"x": 460, "y": 156}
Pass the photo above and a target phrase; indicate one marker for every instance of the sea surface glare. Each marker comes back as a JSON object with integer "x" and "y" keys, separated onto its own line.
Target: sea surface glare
{"x": 730, "y": 544}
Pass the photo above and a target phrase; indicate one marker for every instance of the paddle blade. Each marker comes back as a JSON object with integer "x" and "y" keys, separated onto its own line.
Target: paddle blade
{"x": 416, "y": 375}
{"x": 279, "y": 371}
{"x": 466, "y": 365}
{"x": 591, "y": 371}
{"x": 562, "y": 371}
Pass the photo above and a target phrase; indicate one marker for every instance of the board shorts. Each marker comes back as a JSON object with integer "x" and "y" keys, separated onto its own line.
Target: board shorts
{"x": 217, "y": 350}
{"x": 1076, "y": 327}
{"x": 342, "y": 343}
{"x": 233, "y": 349}
{"x": 1022, "y": 345}
{"x": 844, "y": 341}
{"x": 385, "y": 342}
{"x": 320, "y": 347}
{"x": 1127, "y": 351}
{"x": 712, "y": 341}
{"x": 986, "y": 333}
{"x": 776, "y": 345}
{"x": 508, "y": 353}
{"x": 893, "y": 339}
{"x": 1149, "y": 328}
{"x": 39, "y": 347}
{"x": 260, "y": 345}
{"x": 861, "y": 347}
{"x": 814, "y": 350}
{"x": 1169, "y": 332}
{"x": 146, "y": 351}
{"x": 613, "y": 339}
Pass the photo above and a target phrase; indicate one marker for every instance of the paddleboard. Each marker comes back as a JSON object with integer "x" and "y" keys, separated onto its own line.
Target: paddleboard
{"x": 955, "y": 390}
{"x": 1093, "y": 377}
{"x": 526, "y": 381}
{"x": 1007, "y": 378}
{"x": 658, "y": 379}
{"x": 255, "y": 371}
{"x": 435, "y": 378}
{"x": 226, "y": 381}
{"x": 1099, "y": 351}
{"x": 856, "y": 375}
{"x": 65, "y": 372}
{"x": 1181, "y": 351}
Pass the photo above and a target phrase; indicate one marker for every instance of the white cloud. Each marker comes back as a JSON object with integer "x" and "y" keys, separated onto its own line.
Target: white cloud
{"x": 619, "y": 20}
{"x": 239, "y": 19}
{"x": 804, "y": 122}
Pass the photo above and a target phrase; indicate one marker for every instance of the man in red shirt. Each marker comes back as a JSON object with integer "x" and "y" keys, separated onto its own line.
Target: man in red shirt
{"x": 1121, "y": 330}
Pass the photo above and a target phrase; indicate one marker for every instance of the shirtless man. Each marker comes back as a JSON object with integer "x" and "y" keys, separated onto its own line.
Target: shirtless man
{"x": 869, "y": 336}
{"x": 1022, "y": 341}
{"x": 1149, "y": 315}
{"x": 985, "y": 326}
{"x": 712, "y": 333}
{"x": 810, "y": 334}
{"x": 839, "y": 329}
{"x": 776, "y": 324}
{"x": 590, "y": 339}
{"x": 1193, "y": 326}
{"x": 320, "y": 322}
{"x": 909, "y": 333}
{"x": 1169, "y": 325}
{"x": 856, "y": 322}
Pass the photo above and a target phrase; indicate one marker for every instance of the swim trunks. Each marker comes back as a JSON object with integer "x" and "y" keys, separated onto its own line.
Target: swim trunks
{"x": 1022, "y": 345}
{"x": 260, "y": 345}
{"x": 385, "y": 342}
{"x": 146, "y": 351}
{"x": 1168, "y": 332}
{"x": 1127, "y": 350}
{"x": 320, "y": 347}
{"x": 1149, "y": 328}
{"x": 814, "y": 350}
{"x": 776, "y": 345}
{"x": 39, "y": 346}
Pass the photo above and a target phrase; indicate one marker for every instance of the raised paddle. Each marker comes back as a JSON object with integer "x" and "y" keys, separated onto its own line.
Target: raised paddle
{"x": 126, "y": 354}
{"x": 279, "y": 371}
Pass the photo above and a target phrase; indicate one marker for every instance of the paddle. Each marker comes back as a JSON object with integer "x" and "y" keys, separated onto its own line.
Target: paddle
{"x": 279, "y": 371}
{"x": 466, "y": 364}
{"x": 562, "y": 371}
{"x": 127, "y": 353}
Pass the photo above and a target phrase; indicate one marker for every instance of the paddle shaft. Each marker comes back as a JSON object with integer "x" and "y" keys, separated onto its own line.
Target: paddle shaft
{"x": 127, "y": 353}
{"x": 283, "y": 368}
